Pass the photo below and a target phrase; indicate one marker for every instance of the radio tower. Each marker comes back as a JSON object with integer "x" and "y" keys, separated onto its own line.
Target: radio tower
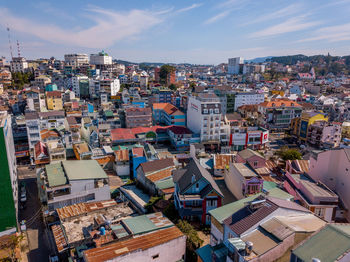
{"x": 8, "y": 30}
{"x": 18, "y": 50}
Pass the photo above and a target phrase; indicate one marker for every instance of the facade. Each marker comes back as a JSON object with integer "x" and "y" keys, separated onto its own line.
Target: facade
{"x": 19, "y": 64}
{"x": 181, "y": 137}
{"x": 76, "y": 60}
{"x": 76, "y": 83}
{"x": 167, "y": 114}
{"x": 252, "y": 98}
{"x": 135, "y": 117}
{"x": 322, "y": 134}
{"x": 300, "y": 125}
{"x": 71, "y": 182}
{"x": 54, "y": 100}
{"x": 8, "y": 178}
{"x": 204, "y": 116}
{"x": 196, "y": 192}
{"x": 100, "y": 59}
{"x": 41, "y": 81}
{"x": 278, "y": 113}
{"x": 234, "y": 65}
{"x": 33, "y": 130}
{"x": 20, "y": 139}
{"x": 248, "y": 137}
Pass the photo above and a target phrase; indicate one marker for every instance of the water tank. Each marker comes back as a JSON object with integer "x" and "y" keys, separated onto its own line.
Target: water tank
{"x": 102, "y": 231}
{"x": 248, "y": 247}
{"x": 315, "y": 260}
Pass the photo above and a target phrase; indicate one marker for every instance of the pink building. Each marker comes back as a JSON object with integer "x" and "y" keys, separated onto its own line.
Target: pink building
{"x": 324, "y": 135}
{"x": 254, "y": 159}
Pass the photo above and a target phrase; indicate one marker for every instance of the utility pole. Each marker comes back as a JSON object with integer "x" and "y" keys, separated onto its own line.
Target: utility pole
{"x": 8, "y": 31}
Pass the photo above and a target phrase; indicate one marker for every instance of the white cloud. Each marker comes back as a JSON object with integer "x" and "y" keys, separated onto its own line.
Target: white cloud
{"x": 290, "y": 25}
{"x": 335, "y": 33}
{"x": 217, "y": 17}
{"x": 188, "y": 8}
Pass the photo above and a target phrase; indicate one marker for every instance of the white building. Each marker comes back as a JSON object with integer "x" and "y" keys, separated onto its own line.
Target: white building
{"x": 234, "y": 65}
{"x": 76, "y": 59}
{"x": 101, "y": 58}
{"x": 19, "y": 64}
{"x": 249, "y": 98}
{"x": 41, "y": 81}
{"x": 204, "y": 116}
{"x": 75, "y": 83}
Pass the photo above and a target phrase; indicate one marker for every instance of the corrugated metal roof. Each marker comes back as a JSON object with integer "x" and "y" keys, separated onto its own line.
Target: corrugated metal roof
{"x": 55, "y": 175}
{"x": 277, "y": 228}
{"x": 261, "y": 242}
{"x": 83, "y": 169}
{"x": 60, "y": 239}
{"x": 140, "y": 243}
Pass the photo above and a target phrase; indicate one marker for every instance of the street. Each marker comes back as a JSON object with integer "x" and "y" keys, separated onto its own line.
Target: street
{"x": 36, "y": 231}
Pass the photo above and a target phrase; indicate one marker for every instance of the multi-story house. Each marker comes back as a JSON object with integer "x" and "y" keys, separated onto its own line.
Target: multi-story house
{"x": 33, "y": 130}
{"x": 75, "y": 83}
{"x": 51, "y": 119}
{"x": 247, "y": 98}
{"x": 204, "y": 116}
{"x": 76, "y": 60}
{"x": 20, "y": 138}
{"x": 54, "y": 100}
{"x": 322, "y": 134}
{"x": 181, "y": 137}
{"x": 8, "y": 178}
{"x": 41, "y": 81}
{"x": 167, "y": 114}
{"x": 278, "y": 113}
{"x": 71, "y": 182}
{"x": 196, "y": 192}
{"x": 136, "y": 117}
{"x": 19, "y": 64}
{"x": 35, "y": 100}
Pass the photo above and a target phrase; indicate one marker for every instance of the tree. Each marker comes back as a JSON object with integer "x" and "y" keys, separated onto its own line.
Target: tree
{"x": 289, "y": 154}
{"x": 165, "y": 70}
{"x": 172, "y": 87}
{"x": 10, "y": 247}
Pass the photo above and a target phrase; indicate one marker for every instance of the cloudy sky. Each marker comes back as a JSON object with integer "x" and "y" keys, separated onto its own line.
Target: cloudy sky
{"x": 178, "y": 31}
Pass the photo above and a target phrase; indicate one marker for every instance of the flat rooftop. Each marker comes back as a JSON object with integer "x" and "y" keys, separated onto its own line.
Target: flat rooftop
{"x": 83, "y": 169}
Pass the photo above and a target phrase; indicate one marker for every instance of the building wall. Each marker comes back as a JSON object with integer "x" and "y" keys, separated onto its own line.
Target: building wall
{"x": 217, "y": 231}
{"x": 234, "y": 182}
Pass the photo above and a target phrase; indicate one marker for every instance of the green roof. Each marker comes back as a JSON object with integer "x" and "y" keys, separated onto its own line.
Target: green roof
{"x": 167, "y": 183}
{"x": 281, "y": 194}
{"x": 269, "y": 185}
{"x": 223, "y": 212}
{"x": 144, "y": 224}
{"x": 205, "y": 253}
{"x": 83, "y": 169}
{"x": 327, "y": 245}
{"x": 108, "y": 113}
{"x": 55, "y": 175}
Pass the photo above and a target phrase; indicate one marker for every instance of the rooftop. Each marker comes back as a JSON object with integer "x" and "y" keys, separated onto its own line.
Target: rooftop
{"x": 55, "y": 175}
{"x": 83, "y": 169}
{"x": 244, "y": 170}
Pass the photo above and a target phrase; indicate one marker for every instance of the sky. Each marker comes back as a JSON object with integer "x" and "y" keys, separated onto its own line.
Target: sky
{"x": 175, "y": 31}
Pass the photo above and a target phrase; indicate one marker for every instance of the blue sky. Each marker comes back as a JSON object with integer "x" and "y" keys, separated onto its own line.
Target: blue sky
{"x": 176, "y": 31}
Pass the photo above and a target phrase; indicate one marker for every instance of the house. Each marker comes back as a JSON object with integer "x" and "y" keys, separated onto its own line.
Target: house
{"x": 138, "y": 117}
{"x": 168, "y": 114}
{"x": 331, "y": 243}
{"x": 82, "y": 151}
{"x": 148, "y": 173}
{"x": 181, "y": 137}
{"x": 122, "y": 163}
{"x": 251, "y": 157}
{"x": 242, "y": 181}
{"x": 54, "y": 100}
{"x": 41, "y": 155}
{"x": 316, "y": 197}
{"x": 297, "y": 166}
{"x": 138, "y": 156}
{"x": 70, "y": 182}
{"x": 221, "y": 162}
{"x": 322, "y": 134}
{"x": 196, "y": 192}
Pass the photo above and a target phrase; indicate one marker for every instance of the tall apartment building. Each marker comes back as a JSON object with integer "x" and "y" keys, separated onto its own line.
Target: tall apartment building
{"x": 234, "y": 65}
{"x": 19, "y": 64}
{"x": 8, "y": 177}
{"x": 76, "y": 83}
{"x": 251, "y": 98}
{"x": 136, "y": 117}
{"x": 204, "y": 116}
{"x": 76, "y": 60}
{"x": 100, "y": 59}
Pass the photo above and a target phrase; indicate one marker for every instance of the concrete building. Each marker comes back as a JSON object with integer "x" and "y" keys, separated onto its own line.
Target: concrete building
{"x": 136, "y": 117}
{"x": 76, "y": 60}
{"x": 54, "y": 100}
{"x": 322, "y": 134}
{"x": 41, "y": 81}
{"x": 71, "y": 182}
{"x": 19, "y": 64}
{"x": 234, "y": 65}
{"x": 76, "y": 83}
{"x": 204, "y": 116}
{"x": 100, "y": 59}
{"x": 251, "y": 98}
{"x": 8, "y": 177}
{"x": 168, "y": 114}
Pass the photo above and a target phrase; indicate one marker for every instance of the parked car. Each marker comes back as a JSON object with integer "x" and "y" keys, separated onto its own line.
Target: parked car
{"x": 23, "y": 196}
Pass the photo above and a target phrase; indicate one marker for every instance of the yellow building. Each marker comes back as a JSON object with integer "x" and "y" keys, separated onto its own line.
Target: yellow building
{"x": 299, "y": 126}
{"x": 277, "y": 92}
{"x": 345, "y": 130}
{"x": 54, "y": 100}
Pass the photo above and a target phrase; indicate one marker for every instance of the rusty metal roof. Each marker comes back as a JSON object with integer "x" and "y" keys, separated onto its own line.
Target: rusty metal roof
{"x": 140, "y": 243}
{"x": 60, "y": 238}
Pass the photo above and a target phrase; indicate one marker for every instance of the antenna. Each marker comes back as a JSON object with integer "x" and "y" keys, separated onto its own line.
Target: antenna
{"x": 18, "y": 50}
{"x": 8, "y": 30}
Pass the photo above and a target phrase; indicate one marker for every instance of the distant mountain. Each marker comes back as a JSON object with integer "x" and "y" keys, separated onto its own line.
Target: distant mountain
{"x": 259, "y": 59}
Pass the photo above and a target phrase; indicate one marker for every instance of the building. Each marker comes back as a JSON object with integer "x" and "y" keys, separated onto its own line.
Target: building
{"x": 33, "y": 130}
{"x": 168, "y": 114}
{"x": 300, "y": 125}
{"x": 136, "y": 117}
{"x": 221, "y": 162}
{"x": 109, "y": 86}
{"x": 71, "y": 182}
{"x": 196, "y": 192}
{"x": 75, "y": 81}
{"x": 278, "y": 114}
{"x": 204, "y": 116}
{"x": 41, "y": 81}
{"x": 322, "y": 134}
{"x": 248, "y": 98}
{"x": 167, "y": 244}
{"x": 54, "y": 100}
{"x": 181, "y": 137}
{"x": 8, "y": 178}
{"x": 248, "y": 137}
{"x": 234, "y": 65}
{"x": 122, "y": 163}
{"x": 76, "y": 60}
{"x": 100, "y": 59}
{"x": 332, "y": 167}
{"x": 19, "y": 64}
{"x": 345, "y": 130}
{"x": 20, "y": 139}
{"x": 331, "y": 243}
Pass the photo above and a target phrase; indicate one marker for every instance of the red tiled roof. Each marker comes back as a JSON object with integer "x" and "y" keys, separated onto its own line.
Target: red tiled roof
{"x": 152, "y": 166}
{"x": 138, "y": 151}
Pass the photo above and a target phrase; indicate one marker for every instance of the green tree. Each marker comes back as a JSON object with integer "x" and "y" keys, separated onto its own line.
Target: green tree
{"x": 172, "y": 87}
{"x": 289, "y": 153}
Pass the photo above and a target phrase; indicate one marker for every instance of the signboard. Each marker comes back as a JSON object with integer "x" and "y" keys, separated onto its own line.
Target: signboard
{"x": 264, "y": 137}
{"x": 303, "y": 129}
{"x": 195, "y": 107}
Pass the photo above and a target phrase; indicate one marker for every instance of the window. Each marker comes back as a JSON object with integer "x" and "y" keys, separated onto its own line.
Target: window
{"x": 155, "y": 256}
{"x": 255, "y": 163}
{"x": 319, "y": 212}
